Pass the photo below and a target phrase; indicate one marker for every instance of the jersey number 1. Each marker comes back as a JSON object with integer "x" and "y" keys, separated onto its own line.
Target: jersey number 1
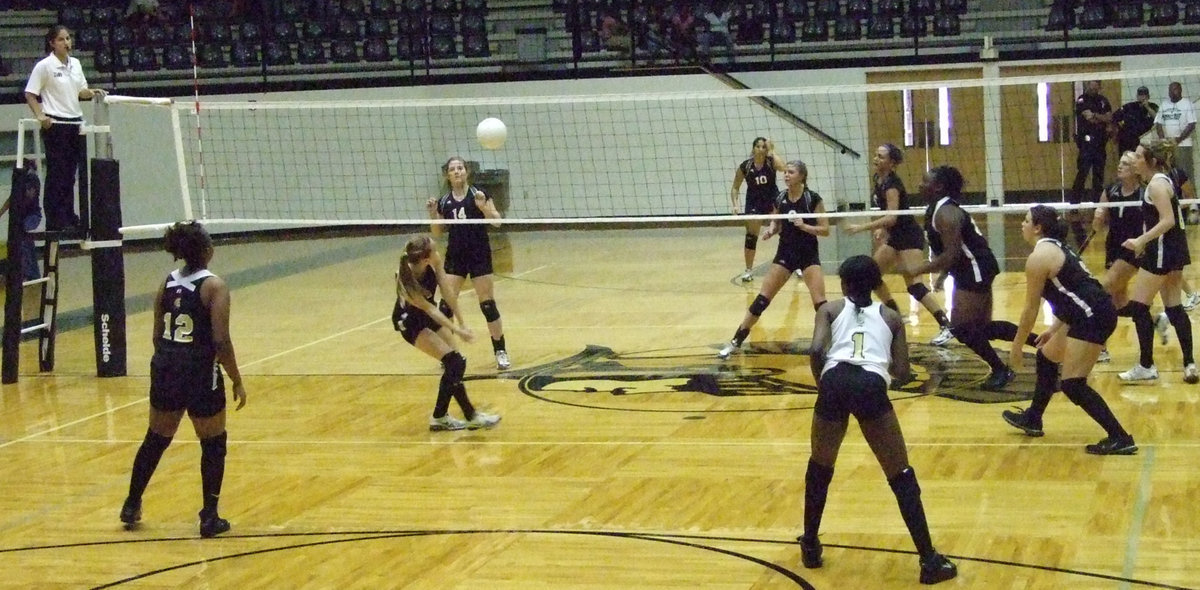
{"x": 858, "y": 337}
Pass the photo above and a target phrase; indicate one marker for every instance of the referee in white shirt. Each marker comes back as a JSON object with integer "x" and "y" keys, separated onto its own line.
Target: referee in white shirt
{"x": 858, "y": 345}
{"x": 53, "y": 92}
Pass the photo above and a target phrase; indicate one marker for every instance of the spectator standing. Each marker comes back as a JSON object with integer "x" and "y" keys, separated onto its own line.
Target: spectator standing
{"x": 1133, "y": 120}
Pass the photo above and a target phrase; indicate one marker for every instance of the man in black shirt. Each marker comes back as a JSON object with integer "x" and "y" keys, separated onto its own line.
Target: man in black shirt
{"x": 1093, "y": 113}
{"x": 1133, "y": 120}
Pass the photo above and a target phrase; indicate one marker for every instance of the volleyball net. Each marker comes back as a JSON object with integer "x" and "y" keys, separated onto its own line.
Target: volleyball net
{"x": 660, "y": 157}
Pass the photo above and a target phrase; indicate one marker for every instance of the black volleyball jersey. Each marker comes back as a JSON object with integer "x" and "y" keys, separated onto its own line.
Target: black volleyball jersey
{"x": 428, "y": 283}
{"x": 1174, "y": 238}
{"x": 187, "y": 323}
{"x": 1074, "y": 294}
{"x": 974, "y": 246}
{"x": 466, "y": 236}
{"x": 882, "y": 186}
{"x": 1124, "y": 221}
{"x": 760, "y": 182}
{"x": 792, "y": 238}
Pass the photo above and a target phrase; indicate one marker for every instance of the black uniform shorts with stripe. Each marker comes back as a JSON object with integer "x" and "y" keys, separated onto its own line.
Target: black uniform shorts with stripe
{"x": 799, "y": 259}
{"x": 759, "y": 206}
{"x": 1174, "y": 257}
{"x": 1095, "y": 329}
{"x": 850, "y": 389}
{"x": 469, "y": 262}
{"x": 964, "y": 274}
{"x": 908, "y": 236}
{"x": 410, "y": 321}
{"x": 186, "y": 384}
{"x": 1114, "y": 251}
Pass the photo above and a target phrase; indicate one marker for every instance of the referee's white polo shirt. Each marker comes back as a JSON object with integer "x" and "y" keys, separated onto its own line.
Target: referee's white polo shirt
{"x": 58, "y": 85}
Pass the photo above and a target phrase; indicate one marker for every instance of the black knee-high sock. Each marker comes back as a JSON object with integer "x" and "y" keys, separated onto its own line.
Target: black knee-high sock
{"x": 977, "y": 340}
{"x": 146, "y": 461}
{"x": 816, "y": 490}
{"x": 908, "y": 496}
{"x": 212, "y": 470}
{"x": 943, "y": 320}
{"x": 1183, "y": 331}
{"x": 1043, "y": 390}
{"x": 498, "y": 344}
{"x": 1144, "y": 325}
{"x": 464, "y": 403}
{"x": 740, "y": 335}
{"x": 445, "y": 392}
{"x": 1006, "y": 331}
{"x": 1078, "y": 391}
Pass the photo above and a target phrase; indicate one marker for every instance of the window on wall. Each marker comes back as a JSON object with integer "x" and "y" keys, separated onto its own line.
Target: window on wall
{"x": 1043, "y": 112}
{"x": 943, "y": 116}
{"x": 909, "y": 140}
{"x": 922, "y": 131}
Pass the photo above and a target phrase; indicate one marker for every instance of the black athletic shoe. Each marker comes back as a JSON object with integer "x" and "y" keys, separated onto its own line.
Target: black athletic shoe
{"x": 998, "y": 379}
{"x": 1021, "y": 419}
{"x": 810, "y": 553}
{"x": 1114, "y": 446}
{"x": 131, "y": 510}
{"x": 212, "y": 525}
{"x": 937, "y": 569}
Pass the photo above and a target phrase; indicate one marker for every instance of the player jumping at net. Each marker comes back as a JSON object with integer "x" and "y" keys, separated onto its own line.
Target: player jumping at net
{"x": 758, "y": 171}
{"x": 191, "y": 346}
{"x": 857, "y": 347}
{"x": 423, "y": 325}
{"x": 960, "y": 250}
{"x": 1081, "y": 305}
{"x": 797, "y": 250}
{"x": 903, "y": 241}
{"x": 468, "y": 250}
{"x": 1163, "y": 252}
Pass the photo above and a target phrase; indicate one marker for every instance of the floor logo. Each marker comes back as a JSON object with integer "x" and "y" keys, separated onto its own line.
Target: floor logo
{"x": 598, "y": 376}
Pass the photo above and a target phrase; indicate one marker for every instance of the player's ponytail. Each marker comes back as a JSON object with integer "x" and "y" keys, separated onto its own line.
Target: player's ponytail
{"x": 417, "y": 249}
{"x": 860, "y": 276}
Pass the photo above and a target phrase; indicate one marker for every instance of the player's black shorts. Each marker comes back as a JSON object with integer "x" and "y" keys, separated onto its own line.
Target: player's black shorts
{"x": 1095, "y": 329}
{"x": 797, "y": 258}
{"x": 469, "y": 262}
{"x": 850, "y": 389}
{"x": 185, "y": 383}
{"x": 1114, "y": 251}
{"x": 409, "y": 321}
{"x": 1166, "y": 255}
{"x": 975, "y": 277}
{"x": 906, "y": 236}
{"x": 759, "y": 205}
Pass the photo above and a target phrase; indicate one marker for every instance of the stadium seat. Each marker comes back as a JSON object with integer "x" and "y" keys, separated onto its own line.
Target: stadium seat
{"x": 156, "y": 35}
{"x": 143, "y": 59}
{"x": 122, "y": 37}
{"x": 383, "y": 8}
{"x": 474, "y": 5}
{"x": 353, "y": 9}
{"x": 250, "y": 33}
{"x": 284, "y": 32}
{"x": 1191, "y": 13}
{"x": 889, "y": 7}
{"x": 276, "y": 53}
{"x": 347, "y": 28}
{"x": 795, "y": 10}
{"x": 211, "y": 55}
{"x": 177, "y": 57}
{"x": 946, "y": 24}
{"x": 1062, "y": 17}
{"x": 291, "y": 11}
{"x": 106, "y": 15}
{"x": 109, "y": 60}
{"x": 847, "y": 28}
{"x": 73, "y": 17}
{"x": 475, "y": 46}
{"x": 441, "y": 24}
{"x": 815, "y": 30}
{"x": 311, "y": 52}
{"x": 953, "y": 7}
{"x": 414, "y": 6}
{"x": 783, "y": 31}
{"x": 343, "y": 51}
{"x": 317, "y": 30}
{"x": 89, "y": 39}
{"x": 472, "y": 23}
{"x": 376, "y": 49}
{"x": 914, "y": 25}
{"x": 217, "y": 32}
{"x": 881, "y": 27}
{"x": 442, "y": 46}
{"x": 243, "y": 54}
{"x": 921, "y": 7}
{"x": 858, "y": 8}
{"x": 1164, "y": 14}
{"x": 443, "y": 6}
{"x": 1128, "y": 14}
{"x": 825, "y": 9}
{"x": 1093, "y": 16}
{"x": 379, "y": 28}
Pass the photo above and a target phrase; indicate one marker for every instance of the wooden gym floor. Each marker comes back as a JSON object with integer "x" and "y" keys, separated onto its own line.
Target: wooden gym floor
{"x": 628, "y": 457}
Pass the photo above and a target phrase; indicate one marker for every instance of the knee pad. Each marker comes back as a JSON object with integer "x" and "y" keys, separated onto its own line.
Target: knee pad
{"x": 214, "y": 446}
{"x": 918, "y": 291}
{"x": 905, "y": 483}
{"x": 445, "y": 309}
{"x": 1077, "y": 390}
{"x": 454, "y": 365}
{"x": 759, "y": 305}
{"x": 751, "y": 241}
{"x": 156, "y": 442}
{"x": 490, "y": 313}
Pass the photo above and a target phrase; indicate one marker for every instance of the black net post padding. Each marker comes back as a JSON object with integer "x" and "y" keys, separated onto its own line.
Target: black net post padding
{"x": 14, "y": 278}
{"x": 108, "y": 269}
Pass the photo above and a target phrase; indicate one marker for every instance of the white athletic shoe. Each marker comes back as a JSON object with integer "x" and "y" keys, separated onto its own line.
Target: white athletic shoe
{"x": 1191, "y": 374}
{"x": 1139, "y": 373}
{"x": 747, "y": 276}
{"x": 728, "y": 350}
{"x": 1161, "y": 325}
{"x": 1190, "y": 301}
{"x": 943, "y": 337}
{"x": 446, "y": 422}
{"x": 482, "y": 420}
{"x": 502, "y": 362}
{"x": 1104, "y": 357}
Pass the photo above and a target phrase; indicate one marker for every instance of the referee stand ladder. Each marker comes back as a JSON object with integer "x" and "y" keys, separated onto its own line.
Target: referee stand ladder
{"x": 99, "y": 202}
